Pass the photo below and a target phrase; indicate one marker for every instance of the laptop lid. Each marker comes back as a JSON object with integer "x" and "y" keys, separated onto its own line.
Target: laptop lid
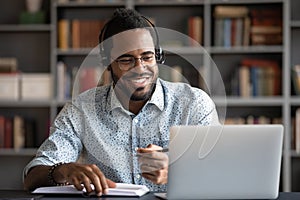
{"x": 225, "y": 162}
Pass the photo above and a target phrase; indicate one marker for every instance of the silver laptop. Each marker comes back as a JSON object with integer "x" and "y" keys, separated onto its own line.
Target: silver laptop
{"x": 225, "y": 162}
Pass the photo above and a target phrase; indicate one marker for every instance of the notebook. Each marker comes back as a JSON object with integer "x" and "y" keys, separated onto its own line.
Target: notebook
{"x": 224, "y": 162}
{"x": 121, "y": 189}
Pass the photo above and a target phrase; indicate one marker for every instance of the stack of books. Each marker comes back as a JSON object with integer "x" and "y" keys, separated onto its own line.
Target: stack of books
{"x": 266, "y": 26}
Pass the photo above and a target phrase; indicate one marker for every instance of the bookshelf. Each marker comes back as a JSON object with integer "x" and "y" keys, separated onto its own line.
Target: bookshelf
{"x": 37, "y": 51}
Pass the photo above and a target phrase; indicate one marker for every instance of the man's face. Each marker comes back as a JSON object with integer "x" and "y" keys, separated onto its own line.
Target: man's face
{"x": 136, "y": 82}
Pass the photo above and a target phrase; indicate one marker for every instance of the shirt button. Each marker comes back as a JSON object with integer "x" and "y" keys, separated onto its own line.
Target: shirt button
{"x": 136, "y": 121}
{"x": 138, "y": 176}
{"x": 136, "y": 148}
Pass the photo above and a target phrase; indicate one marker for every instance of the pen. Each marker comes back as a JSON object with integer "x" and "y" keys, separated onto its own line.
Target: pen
{"x": 163, "y": 150}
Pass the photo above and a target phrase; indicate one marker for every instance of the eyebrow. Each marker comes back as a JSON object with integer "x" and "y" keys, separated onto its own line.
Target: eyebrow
{"x": 142, "y": 54}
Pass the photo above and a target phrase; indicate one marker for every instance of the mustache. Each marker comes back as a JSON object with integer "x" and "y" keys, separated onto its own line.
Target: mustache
{"x": 133, "y": 75}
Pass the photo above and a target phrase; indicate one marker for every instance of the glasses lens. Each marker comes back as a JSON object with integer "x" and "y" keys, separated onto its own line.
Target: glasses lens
{"x": 128, "y": 62}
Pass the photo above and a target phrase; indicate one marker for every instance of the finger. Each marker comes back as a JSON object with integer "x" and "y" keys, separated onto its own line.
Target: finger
{"x": 147, "y": 168}
{"x": 157, "y": 177}
{"x": 96, "y": 176}
{"x": 77, "y": 184}
{"x": 157, "y": 164}
{"x": 149, "y": 148}
{"x": 111, "y": 183}
{"x": 87, "y": 184}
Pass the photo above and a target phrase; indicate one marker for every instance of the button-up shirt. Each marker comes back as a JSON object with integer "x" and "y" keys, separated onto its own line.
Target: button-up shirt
{"x": 95, "y": 128}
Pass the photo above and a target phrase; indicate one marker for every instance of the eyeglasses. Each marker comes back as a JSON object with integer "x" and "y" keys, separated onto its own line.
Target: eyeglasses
{"x": 125, "y": 63}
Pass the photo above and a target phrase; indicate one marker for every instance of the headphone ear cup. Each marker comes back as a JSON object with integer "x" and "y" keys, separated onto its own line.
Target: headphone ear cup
{"x": 104, "y": 58}
{"x": 160, "y": 55}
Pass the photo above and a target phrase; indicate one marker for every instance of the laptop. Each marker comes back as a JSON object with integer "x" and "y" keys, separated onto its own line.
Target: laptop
{"x": 224, "y": 162}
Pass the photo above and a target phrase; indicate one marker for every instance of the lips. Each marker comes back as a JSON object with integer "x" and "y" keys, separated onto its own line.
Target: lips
{"x": 139, "y": 82}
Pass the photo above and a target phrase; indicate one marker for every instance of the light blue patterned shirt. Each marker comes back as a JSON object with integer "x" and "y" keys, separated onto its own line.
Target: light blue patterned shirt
{"x": 97, "y": 129}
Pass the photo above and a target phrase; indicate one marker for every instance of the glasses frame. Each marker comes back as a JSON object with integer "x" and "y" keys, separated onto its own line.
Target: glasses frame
{"x": 134, "y": 60}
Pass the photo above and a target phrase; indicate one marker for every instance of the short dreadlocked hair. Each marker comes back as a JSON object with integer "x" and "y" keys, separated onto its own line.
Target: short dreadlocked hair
{"x": 124, "y": 19}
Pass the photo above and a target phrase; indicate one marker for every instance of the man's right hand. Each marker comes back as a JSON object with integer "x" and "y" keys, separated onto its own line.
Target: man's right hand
{"x": 79, "y": 175}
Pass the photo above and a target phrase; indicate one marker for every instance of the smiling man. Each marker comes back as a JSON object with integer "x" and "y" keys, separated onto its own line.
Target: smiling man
{"x": 117, "y": 130}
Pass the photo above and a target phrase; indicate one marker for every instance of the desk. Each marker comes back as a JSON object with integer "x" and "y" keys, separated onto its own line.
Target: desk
{"x": 23, "y": 195}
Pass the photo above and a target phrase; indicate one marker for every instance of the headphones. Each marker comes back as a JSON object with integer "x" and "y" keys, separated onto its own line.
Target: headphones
{"x": 159, "y": 53}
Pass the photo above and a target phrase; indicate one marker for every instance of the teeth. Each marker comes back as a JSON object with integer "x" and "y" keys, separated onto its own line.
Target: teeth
{"x": 139, "y": 80}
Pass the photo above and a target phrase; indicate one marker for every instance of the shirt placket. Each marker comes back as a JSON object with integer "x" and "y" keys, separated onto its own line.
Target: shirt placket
{"x": 135, "y": 145}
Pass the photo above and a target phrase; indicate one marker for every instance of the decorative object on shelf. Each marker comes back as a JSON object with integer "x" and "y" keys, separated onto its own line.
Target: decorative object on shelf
{"x": 33, "y": 13}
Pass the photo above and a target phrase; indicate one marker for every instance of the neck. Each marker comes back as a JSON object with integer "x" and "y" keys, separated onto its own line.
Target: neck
{"x": 136, "y": 106}
{"x": 128, "y": 104}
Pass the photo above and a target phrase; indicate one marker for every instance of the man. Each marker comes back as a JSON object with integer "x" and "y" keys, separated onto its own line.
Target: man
{"x": 118, "y": 130}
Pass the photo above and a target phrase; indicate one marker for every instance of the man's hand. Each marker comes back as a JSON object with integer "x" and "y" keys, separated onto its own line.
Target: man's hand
{"x": 78, "y": 174}
{"x": 153, "y": 164}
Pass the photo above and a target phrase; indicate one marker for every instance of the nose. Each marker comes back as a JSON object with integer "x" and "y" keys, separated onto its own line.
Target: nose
{"x": 138, "y": 62}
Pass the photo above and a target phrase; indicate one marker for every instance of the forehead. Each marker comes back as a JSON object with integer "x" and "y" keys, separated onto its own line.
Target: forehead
{"x": 132, "y": 40}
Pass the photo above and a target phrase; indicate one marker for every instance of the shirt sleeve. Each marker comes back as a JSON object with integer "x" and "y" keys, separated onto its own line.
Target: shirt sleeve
{"x": 204, "y": 110}
{"x": 63, "y": 143}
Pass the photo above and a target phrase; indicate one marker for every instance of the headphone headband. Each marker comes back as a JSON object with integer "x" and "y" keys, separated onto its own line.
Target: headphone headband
{"x": 159, "y": 53}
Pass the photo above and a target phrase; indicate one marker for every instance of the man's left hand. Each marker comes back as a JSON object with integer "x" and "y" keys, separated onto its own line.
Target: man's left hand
{"x": 153, "y": 164}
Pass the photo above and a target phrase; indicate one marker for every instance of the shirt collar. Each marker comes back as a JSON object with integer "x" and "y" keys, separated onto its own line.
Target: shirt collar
{"x": 157, "y": 98}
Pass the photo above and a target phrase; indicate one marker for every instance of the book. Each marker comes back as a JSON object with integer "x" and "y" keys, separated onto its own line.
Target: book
{"x": 63, "y": 31}
{"x": 297, "y": 130}
{"x": 121, "y": 189}
{"x": 296, "y": 79}
{"x": 18, "y": 132}
{"x": 230, "y": 11}
{"x": 195, "y": 29}
{"x": 8, "y": 64}
{"x": 2, "y": 131}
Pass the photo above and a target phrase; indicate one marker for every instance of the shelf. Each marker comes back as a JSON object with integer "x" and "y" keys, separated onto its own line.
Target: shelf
{"x": 245, "y": 49}
{"x": 76, "y": 52}
{"x": 251, "y": 101}
{"x": 90, "y": 4}
{"x": 244, "y": 1}
{"x": 295, "y": 154}
{"x": 295, "y": 24}
{"x": 18, "y": 152}
{"x": 184, "y": 50}
{"x": 23, "y": 28}
{"x": 169, "y": 3}
{"x": 295, "y": 100}
{"x": 27, "y": 103}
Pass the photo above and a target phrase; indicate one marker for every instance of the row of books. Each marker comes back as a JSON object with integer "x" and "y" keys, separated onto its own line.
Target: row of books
{"x": 17, "y": 132}
{"x": 241, "y": 26}
{"x": 78, "y": 33}
{"x": 256, "y": 77}
{"x": 75, "y": 80}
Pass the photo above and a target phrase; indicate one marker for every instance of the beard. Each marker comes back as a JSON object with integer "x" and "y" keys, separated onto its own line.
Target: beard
{"x": 131, "y": 94}
{"x": 145, "y": 96}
